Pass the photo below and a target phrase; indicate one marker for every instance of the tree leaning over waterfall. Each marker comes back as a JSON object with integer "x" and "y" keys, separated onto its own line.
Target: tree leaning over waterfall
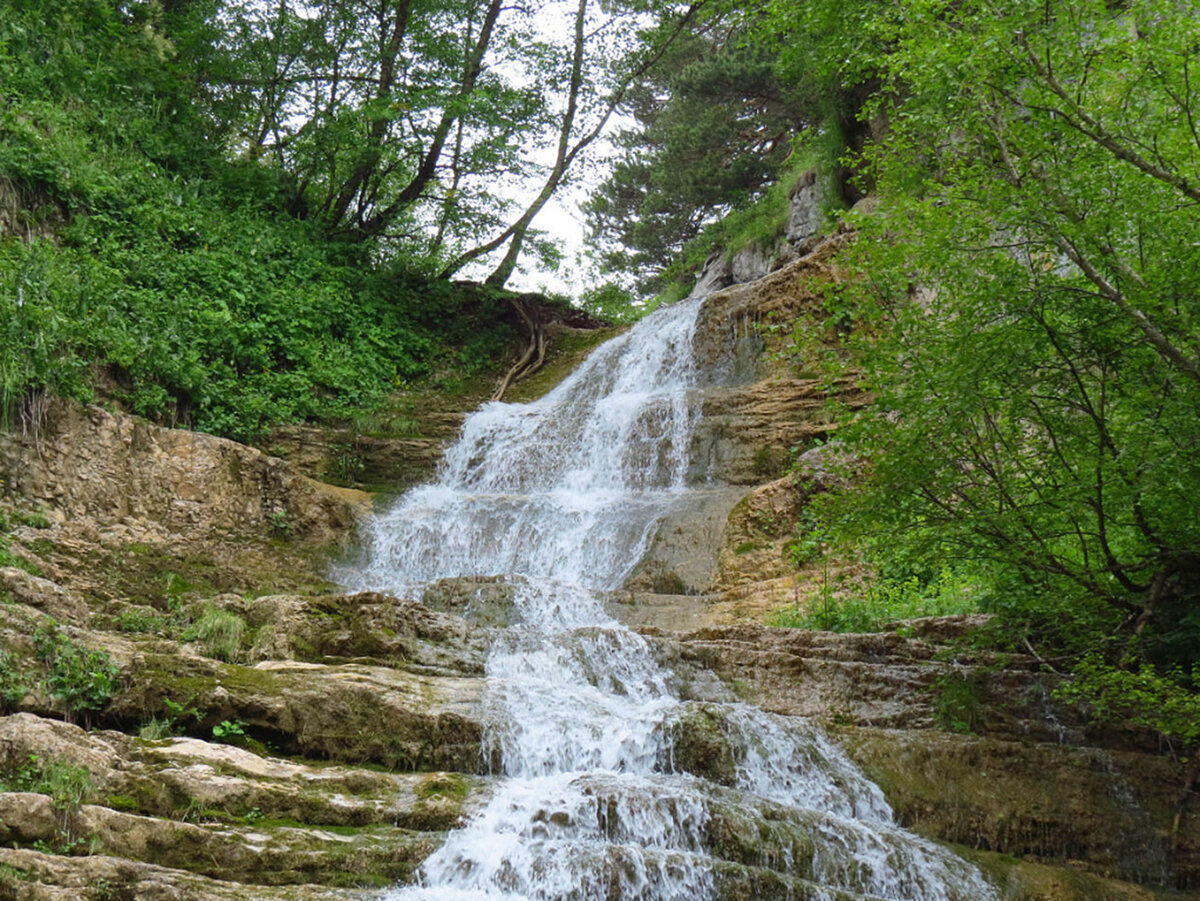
{"x": 1029, "y": 316}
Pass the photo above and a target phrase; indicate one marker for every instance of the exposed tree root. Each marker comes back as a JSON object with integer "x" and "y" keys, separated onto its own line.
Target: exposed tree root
{"x": 535, "y": 353}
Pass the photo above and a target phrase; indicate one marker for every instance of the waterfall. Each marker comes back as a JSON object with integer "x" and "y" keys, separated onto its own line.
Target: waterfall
{"x": 561, "y": 497}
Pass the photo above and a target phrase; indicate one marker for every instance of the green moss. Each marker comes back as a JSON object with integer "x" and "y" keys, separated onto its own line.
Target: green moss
{"x": 122, "y": 802}
{"x": 220, "y": 633}
{"x": 446, "y": 785}
{"x": 11, "y": 876}
{"x": 41, "y": 546}
{"x": 362, "y": 880}
{"x": 703, "y": 747}
{"x": 770, "y": 462}
{"x": 668, "y": 583}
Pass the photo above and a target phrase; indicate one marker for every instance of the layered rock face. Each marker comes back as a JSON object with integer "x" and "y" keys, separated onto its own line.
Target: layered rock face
{"x": 129, "y": 539}
{"x": 269, "y": 737}
{"x": 1031, "y": 777}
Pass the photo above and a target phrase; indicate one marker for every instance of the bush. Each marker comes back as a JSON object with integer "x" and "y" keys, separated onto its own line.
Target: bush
{"x": 68, "y": 786}
{"x": 82, "y": 679}
{"x": 13, "y": 684}
{"x": 884, "y": 602}
{"x": 1139, "y": 695}
{"x": 957, "y": 706}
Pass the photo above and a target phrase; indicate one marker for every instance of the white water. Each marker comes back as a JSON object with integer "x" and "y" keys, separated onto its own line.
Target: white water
{"x": 562, "y": 497}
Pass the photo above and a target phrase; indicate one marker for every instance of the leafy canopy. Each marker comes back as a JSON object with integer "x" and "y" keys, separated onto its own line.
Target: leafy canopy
{"x": 1027, "y": 319}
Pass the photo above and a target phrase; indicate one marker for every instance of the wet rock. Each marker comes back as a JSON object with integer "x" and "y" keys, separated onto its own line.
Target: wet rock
{"x": 880, "y": 679}
{"x": 365, "y": 627}
{"x": 223, "y": 811}
{"x": 682, "y": 556}
{"x": 173, "y": 776}
{"x": 481, "y": 600}
{"x": 701, "y": 745}
{"x": 1109, "y": 812}
{"x": 757, "y": 533}
{"x": 648, "y": 611}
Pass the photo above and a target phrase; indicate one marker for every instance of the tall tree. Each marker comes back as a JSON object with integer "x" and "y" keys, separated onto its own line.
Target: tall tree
{"x": 713, "y": 125}
{"x": 581, "y": 122}
{"x": 421, "y": 121}
{"x": 1036, "y": 265}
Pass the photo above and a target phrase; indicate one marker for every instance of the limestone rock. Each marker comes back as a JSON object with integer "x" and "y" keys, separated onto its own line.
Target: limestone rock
{"x": 754, "y": 545}
{"x": 805, "y": 215}
{"x": 166, "y": 484}
{"x": 34, "y": 876}
{"x": 751, "y": 263}
{"x": 714, "y": 275}
{"x": 747, "y": 431}
{"x": 165, "y": 777}
{"x": 682, "y": 558}
{"x": 43, "y": 595}
{"x": 374, "y": 462}
{"x": 877, "y": 679}
{"x": 349, "y": 712}
{"x": 1106, "y": 811}
{"x": 364, "y": 627}
{"x": 482, "y": 600}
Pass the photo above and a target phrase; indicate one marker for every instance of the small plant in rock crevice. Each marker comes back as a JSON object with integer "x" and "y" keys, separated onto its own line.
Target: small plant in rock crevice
{"x": 69, "y": 787}
{"x": 82, "y": 679}
{"x": 229, "y": 731}
{"x": 957, "y": 702}
{"x": 13, "y": 683}
{"x": 220, "y": 633}
{"x": 171, "y": 723}
{"x": 280, "y": 525}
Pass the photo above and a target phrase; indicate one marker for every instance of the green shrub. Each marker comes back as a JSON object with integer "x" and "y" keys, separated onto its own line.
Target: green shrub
{"x": 882, "y": 603}
{"x": 957, "y": 706}
{"x": 13, "y": 684}
{"x": 229, "y": 731}
{"x": 140, "y": 620}
{"x": 82, "y": 679}
{"x": 1165, "y": 701}
{"x": 171, "y": 722}
{"x": 68, "y": 786}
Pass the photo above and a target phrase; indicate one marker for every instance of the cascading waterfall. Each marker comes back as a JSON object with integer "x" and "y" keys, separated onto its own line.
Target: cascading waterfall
{"x": 561, "y": 497}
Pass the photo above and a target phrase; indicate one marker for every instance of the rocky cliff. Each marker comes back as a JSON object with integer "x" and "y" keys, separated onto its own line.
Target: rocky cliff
{"x": 265, "y": 735}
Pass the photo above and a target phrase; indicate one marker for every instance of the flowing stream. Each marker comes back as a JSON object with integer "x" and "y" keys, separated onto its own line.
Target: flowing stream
{"x": 598, "y": 796}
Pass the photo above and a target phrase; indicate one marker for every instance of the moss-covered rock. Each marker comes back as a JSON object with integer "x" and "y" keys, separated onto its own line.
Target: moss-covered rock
{"x": 351, "y": 712}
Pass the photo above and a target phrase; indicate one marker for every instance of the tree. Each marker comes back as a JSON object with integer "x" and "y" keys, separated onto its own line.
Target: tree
{"x": 575, "y": 132}
{"x": 1031, "y": 313}
{"x": 713, "y": 127}
{"x": 416, "y": 123}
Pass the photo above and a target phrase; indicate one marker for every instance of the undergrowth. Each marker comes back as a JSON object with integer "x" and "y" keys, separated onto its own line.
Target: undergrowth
{"x": 877, "y": 606}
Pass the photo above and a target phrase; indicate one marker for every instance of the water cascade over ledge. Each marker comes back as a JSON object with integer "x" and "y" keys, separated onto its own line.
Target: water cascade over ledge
{"x": 595, "y": 799}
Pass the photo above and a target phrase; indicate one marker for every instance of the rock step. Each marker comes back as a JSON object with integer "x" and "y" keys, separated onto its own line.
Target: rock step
{"x": 35, "y": 876}
{"x": 217, "y": 810}
{"x": 265, "y": 853}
